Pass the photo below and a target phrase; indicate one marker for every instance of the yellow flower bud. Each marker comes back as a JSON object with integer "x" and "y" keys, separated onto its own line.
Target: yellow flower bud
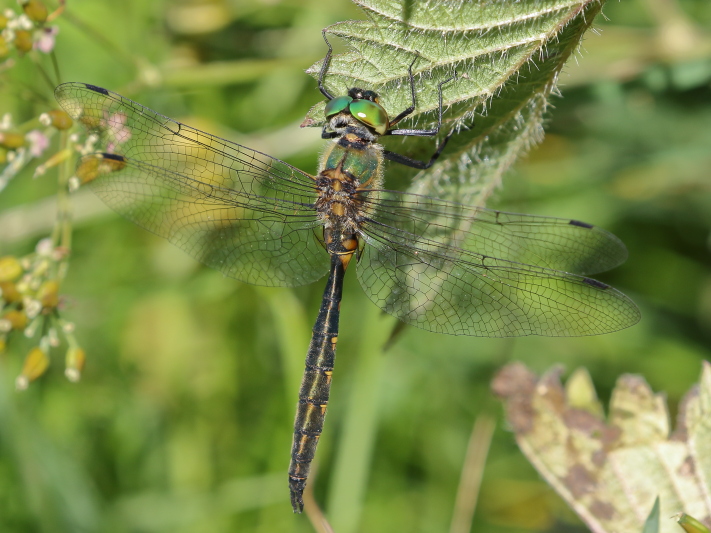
{"x": 35, "y": 10}
{"x": 9, "y": 292}
{"x": 23, "y": 40}
{"x": 18, "y": 319}
{"x": 74, "y": 364}
{"x": 10, "y": 268}
{"x": 11, "y": 140}
{"x": 48, "y": 294}
{"x": 60, "y": 119}
{"x": 35, "y": 365}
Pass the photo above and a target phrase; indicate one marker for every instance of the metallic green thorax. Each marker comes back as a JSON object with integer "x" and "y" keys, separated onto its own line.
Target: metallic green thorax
{"x": 361, "y": 160}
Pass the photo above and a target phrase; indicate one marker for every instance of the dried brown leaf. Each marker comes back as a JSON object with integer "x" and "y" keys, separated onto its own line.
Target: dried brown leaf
{"x": 610, "y": 471}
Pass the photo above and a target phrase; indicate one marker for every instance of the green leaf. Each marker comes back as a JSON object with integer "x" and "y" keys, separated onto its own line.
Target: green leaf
{"x": 691, "y": 524}
{"x": 651, "y": 525}
{"x": 507, "y": 56}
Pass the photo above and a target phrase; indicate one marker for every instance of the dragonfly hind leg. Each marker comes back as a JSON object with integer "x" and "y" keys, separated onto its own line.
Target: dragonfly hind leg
{"x": 416, "y": 163}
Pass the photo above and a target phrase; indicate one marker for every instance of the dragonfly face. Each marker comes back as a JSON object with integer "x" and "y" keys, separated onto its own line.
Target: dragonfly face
{"x": 437, "y": 265}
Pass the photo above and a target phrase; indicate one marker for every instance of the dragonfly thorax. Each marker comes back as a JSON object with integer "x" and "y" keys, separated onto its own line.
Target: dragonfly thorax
{"x": 339, "y": 204}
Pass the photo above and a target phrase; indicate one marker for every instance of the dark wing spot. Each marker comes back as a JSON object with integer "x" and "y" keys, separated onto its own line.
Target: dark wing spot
{"x": 115, "y": 157}
{"x": 595, "y": 283}
{"x": 96, "y": 89}
{"x": 580, "y": 224}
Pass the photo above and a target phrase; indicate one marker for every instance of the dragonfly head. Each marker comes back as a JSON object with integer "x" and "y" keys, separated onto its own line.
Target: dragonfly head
{"x": 363, "y": 106}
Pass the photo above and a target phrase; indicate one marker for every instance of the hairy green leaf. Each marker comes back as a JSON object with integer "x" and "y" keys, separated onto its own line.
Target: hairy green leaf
{"x": 507, "y": 57}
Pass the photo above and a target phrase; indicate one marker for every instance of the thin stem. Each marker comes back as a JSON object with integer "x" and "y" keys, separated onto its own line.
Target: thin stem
{"x": 472, "y": 472}
{"x": 63, "y": 235}
{"x": 313, "y": 511}
{"x": 55, "y": 64}
{"x": 44, "y": 74}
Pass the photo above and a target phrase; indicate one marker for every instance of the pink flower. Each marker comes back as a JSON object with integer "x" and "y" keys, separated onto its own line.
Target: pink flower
{"x": 45, "y": 42}
{"x": 38, "y": 142}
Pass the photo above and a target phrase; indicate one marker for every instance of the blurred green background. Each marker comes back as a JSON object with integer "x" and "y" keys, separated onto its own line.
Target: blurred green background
{"x": 183, "y": 419}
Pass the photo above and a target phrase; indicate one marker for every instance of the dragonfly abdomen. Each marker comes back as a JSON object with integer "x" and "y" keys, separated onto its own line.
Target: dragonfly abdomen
{"x": 316, "y": 383}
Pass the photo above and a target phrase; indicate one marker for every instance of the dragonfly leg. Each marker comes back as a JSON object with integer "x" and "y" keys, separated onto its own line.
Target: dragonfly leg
{"x": 324, "y": 67}
{"x": 408, "y": 161}
{"x": 410, "y": 109}
{"x": 420, "y": 133}
{"x": 416, "y": 163}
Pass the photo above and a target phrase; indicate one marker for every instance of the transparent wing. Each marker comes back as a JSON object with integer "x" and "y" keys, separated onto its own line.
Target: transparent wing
{"x": 235, "y": 209}
{"x": 555, "y": 243}
{"x": 451, "y": 269}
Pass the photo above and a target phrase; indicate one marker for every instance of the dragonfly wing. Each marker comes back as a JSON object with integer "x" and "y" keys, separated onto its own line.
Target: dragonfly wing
{"x": 414, "y": 271}
{"x": 242, "y": 212}
{"x": 555, "y": 243}
{"x": 125, "y": 127}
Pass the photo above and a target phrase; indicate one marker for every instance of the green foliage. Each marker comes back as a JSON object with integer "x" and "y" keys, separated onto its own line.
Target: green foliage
{"x": 506, "y": 55}
{"x": 691, "y": 524}
{"x": 651, "y": 525}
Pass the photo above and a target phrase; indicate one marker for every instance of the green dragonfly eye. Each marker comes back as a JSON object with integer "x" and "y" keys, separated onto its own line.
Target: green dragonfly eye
{"x": 337, "y": 105}
{"x": 370, "y": 114}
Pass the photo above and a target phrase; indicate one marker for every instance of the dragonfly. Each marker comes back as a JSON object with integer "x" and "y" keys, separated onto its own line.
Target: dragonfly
{"x": 438, "y": 265}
